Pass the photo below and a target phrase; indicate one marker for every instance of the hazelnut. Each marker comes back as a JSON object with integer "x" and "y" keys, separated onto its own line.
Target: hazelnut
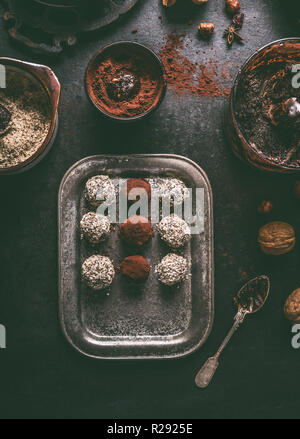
{"x": 233, "y": 6}
{"x": 265, "y": 207}
{"x": 276, "y": 238}
{"x": 206, "y": 29}
{"x": 297, "y": 189}
{"x": 168, "y": 3}
{"x": 292, "y": 306}
{"x": 199, "y": 2}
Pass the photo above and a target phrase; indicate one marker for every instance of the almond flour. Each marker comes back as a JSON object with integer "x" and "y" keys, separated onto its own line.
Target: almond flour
{"x": 29, "y": 106}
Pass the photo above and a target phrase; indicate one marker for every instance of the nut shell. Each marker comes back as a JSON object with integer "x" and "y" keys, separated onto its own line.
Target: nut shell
{"x": 265, "y": 207}
{"x": 168, "y": 3}
{"x": 292, "y": 306}
{"x": 233, "y": 6}
{"x": 276, "y": 238}
{"x": 206, "y": 29}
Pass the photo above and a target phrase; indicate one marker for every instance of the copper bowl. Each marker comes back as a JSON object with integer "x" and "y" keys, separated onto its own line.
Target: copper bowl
{"x": 46, "y": 77}
{"x": 148, "y": 54}
{"x": 284, "y": 50}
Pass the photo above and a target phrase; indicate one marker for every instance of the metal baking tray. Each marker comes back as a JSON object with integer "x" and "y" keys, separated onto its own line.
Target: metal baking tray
{"x": 129, "y": 321}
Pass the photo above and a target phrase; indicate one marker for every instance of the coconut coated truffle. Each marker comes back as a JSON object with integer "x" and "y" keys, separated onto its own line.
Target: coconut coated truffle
{"x": 136, "y": 230}
{"x": 172, "y": 269}
{"x": 94, "y": 228}
{"x": 98, "y": 272}
{"x": 135, "y": 267}
{"x": 174, "y": 231}
{"x": 171, "y": 189}
{"x": 99, "y": 189}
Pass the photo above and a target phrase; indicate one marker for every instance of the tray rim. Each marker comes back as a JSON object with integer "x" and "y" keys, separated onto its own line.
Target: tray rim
{"x": 211, "y": 258}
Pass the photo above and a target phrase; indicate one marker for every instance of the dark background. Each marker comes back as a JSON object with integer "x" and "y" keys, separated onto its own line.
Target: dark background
{"x": 40, "y": 374}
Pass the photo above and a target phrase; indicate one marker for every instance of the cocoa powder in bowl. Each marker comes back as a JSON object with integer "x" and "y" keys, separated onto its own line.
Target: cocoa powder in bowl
{"x": 125, "y": 80}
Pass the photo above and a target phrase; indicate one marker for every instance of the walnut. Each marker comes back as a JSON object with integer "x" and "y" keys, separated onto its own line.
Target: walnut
{"x": 233, "y": 6}
{"x": 292, "y": 306}
{"x": 168, "y": 3}
{"x": 206, "y": 29}
{"x": 276, "y": 238}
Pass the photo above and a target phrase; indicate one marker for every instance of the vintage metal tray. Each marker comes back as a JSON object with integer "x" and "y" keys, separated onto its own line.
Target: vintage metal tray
{"x": 134, "y": 322}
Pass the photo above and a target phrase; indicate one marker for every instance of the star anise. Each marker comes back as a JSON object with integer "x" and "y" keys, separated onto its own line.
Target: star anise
{"x": 231, "y": 33}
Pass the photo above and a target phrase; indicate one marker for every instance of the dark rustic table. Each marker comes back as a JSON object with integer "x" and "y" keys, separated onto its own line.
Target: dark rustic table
{"x": 41, "y": 375}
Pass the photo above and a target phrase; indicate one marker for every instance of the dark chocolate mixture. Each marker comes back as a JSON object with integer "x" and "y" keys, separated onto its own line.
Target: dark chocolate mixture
{"x": 262, "y": 93}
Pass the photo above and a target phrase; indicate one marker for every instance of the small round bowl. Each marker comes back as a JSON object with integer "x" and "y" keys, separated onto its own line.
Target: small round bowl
{"x": 284, "y": 50}
{"x": 134, "y": 48}
{"x": 46, "y": 77}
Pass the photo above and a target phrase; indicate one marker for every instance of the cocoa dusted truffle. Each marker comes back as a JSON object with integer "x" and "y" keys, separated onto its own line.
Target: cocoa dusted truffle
{"x": 174, "y": 231}
{"x": 172, "y": 269}
{"x": 136, "y": 230}
{"x": 94, "y": 228}
{"x": 138, "y": 187}
{"x": 98, "y": 272}
{"x": 135, "y": 267}
{"x": 124, "y": 86}
{"x": 98, "y": 189}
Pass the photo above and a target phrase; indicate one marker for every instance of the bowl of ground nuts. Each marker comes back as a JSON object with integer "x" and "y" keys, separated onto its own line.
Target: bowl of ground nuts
{"x": 29, "y": 98}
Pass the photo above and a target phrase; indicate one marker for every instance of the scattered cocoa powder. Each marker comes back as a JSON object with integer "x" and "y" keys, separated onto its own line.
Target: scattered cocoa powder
{"x": 186, "y": 76}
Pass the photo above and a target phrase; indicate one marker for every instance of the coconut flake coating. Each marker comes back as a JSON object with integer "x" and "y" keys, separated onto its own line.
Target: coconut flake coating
{"x": 172, "y": 269}
{"x": 94, "y": 227}
{"x": 98, "y": 272}
{"x": 174, "y": 231}
{"x": 99, "y": 189}
{"x": 171, "y": 189}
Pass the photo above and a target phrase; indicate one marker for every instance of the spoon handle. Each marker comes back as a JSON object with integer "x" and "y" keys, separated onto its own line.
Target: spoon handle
{"x": 206, "y": 373}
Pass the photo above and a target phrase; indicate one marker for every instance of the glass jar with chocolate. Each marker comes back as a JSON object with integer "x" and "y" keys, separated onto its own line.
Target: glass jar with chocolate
{"x": 264, "y": 114}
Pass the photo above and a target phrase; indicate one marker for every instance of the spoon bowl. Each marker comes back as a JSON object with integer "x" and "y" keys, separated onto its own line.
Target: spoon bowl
{"x": 253, "y": 295}
{"x": 250, "y": 299}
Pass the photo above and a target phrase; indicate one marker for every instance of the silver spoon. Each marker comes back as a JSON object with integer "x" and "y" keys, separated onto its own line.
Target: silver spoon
{"x": 250, "y": 299}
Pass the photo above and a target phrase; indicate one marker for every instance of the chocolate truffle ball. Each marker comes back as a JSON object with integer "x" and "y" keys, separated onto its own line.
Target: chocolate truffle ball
{"x": 136, "y": 230}
{"x": 172, "y": 269}
{"x": 99, "y": 189}
{"x": 94, "y": 228}
{"x": 98, "y": 272}
{"x": 174, "y": 190}
{"x": 123, "y": 87}
{"x": 135, "y": 267}
{"x": 174, "y": 231}
{"x": 137, "y": 188}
